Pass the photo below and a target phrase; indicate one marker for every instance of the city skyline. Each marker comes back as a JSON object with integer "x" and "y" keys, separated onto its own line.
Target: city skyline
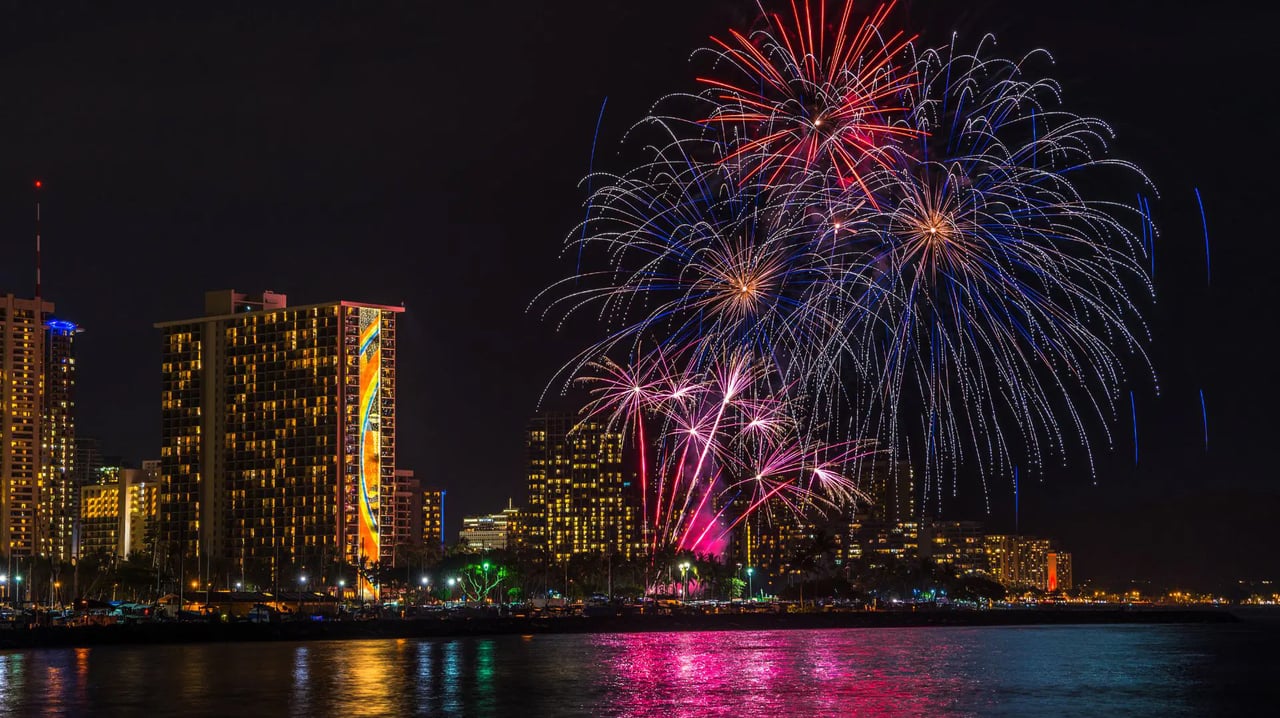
{"x": 465, "y": 331}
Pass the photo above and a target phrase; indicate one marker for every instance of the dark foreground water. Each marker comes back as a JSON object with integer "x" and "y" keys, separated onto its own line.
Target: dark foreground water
{"x": 1089, "y": 670}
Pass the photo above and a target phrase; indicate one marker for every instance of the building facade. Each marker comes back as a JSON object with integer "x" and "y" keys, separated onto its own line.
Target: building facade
{"x": 578, "y": 496}
{"x": 1024, "y": 562}
{"x": 780, "y": 543}
{"x": 278, "y": 432}
{"x": 402, "y": 519}
{"x": 1058, "y": 572}
{"x": 60, "y": 501}
{"x": 37, "y": 430}
{"x": 118, "y": 517}
{"x": 433, "y": 517}
{"x": 887, "y": 527}
{"x": 959, "y": 544}
{"x": 489, "y": 532}
{"x": 1033, "y": 563}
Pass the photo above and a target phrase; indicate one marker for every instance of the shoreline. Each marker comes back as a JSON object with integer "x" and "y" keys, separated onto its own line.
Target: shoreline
{"x": 196, "y": 632}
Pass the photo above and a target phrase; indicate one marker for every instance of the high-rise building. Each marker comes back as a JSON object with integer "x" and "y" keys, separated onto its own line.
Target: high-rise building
{"x": 278, "y": 431}
{"x": 433, "y": 517}
{"x": 489, "y": 532}
{"x": 60, "y": 501}
{"x": 778, "y": 542}
{"x": 1033, "y": 562}
{"x": 1001, "y": 553}
{"x": 884, "y": 527}
{"x": 891, "y": 487}
{"x": 88, "y": 461}
{"x": 1058, "y": 572}
{"x": 118, "y": 518}
{"x": 578, "y": 497}
{"x": 959, "y": 544}
{"x": 37, "y": 430}
{"x": 1018, "y": 561}
{"x": 888, "y": 525}
{"x": 99, "y": 520}
{"x": 402, "y": 519}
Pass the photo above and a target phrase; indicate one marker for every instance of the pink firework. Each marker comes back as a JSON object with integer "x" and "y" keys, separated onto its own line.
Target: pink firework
{"x": 716, "y": 443}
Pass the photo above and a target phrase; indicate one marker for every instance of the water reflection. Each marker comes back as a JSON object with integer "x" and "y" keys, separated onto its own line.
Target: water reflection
{"x": 301, "y": 680}
{"x": 1096, "y": 670}
{"x": 795, "y": 673}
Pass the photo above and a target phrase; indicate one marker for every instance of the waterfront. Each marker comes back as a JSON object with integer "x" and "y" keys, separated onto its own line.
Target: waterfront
{"x": 1064, "y": 670}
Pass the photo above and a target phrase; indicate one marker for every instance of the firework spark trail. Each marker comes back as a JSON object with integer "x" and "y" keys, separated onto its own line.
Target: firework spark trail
{"x": 1133, "y": 411}
{"x": 591, "y": 169}
{"x": 730, "y": 448}
{"x": 1007, "y": 286}
{"x": 1148, "y": 232}
{"x": 694, "y": 258}
{"x": 1204, "y": 417}
{"x": 1204, "y": 223}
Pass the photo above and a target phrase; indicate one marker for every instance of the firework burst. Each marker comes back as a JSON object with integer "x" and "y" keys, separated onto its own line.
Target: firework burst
{"x": 906, "y": 242}
{"x": 723, "y": 445}
{"x": 696, "y": 260}
{"x": 1002, "y": 305}
{"x": 807, "y": 100}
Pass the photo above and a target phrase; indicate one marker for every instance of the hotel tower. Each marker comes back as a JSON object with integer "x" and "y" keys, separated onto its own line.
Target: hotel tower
{"x": 38, "y": 503}
{"x": 278, "y": 434}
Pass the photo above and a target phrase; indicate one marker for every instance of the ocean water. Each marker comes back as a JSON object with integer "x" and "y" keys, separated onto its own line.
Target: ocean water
{"x": 1125, "y": 670}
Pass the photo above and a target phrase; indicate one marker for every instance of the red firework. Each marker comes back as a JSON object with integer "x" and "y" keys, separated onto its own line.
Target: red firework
{"x": 811, "y": 97}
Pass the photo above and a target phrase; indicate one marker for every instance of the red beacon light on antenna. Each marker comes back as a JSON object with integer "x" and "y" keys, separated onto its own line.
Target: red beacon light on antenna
{"x": 39, "y": 184}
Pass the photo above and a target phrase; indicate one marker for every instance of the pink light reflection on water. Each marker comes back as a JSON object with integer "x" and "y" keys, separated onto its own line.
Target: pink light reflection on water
{"x": 792, "y": 673}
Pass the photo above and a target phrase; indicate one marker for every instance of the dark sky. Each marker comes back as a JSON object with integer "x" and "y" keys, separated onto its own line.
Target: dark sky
{"x": 429, "y": 154}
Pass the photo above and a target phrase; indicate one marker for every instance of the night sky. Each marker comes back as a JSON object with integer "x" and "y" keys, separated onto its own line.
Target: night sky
{"x": 430, "y": 154}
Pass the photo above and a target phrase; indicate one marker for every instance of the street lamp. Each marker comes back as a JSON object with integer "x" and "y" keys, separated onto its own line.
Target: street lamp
{"x": 486, "y": 581}
{"x": 425, "y": 583}
{"x": 302, "y": 583}
{"x": 684, "y": 581}
{"x": 749, "y": 591}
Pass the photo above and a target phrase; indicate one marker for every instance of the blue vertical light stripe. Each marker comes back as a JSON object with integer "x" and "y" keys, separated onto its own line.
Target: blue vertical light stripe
{"x": 591, "y": 165}
{"x": 1204, "y": 417}
{"x": 1133, "y": 409}
{"x": 1205, "y": 225}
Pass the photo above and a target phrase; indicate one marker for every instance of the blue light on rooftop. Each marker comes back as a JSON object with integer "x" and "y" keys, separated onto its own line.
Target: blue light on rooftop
{"x": 61, "y": 325}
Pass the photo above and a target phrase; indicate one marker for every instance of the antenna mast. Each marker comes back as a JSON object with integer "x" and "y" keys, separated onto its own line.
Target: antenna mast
{"x": 39, "y": 184}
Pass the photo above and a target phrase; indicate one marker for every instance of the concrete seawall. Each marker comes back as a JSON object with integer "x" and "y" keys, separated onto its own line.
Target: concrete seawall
{"x": 195, "y": 632}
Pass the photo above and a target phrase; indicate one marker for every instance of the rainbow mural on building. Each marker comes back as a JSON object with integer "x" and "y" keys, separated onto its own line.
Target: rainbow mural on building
{"x": 370, "y": 440}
